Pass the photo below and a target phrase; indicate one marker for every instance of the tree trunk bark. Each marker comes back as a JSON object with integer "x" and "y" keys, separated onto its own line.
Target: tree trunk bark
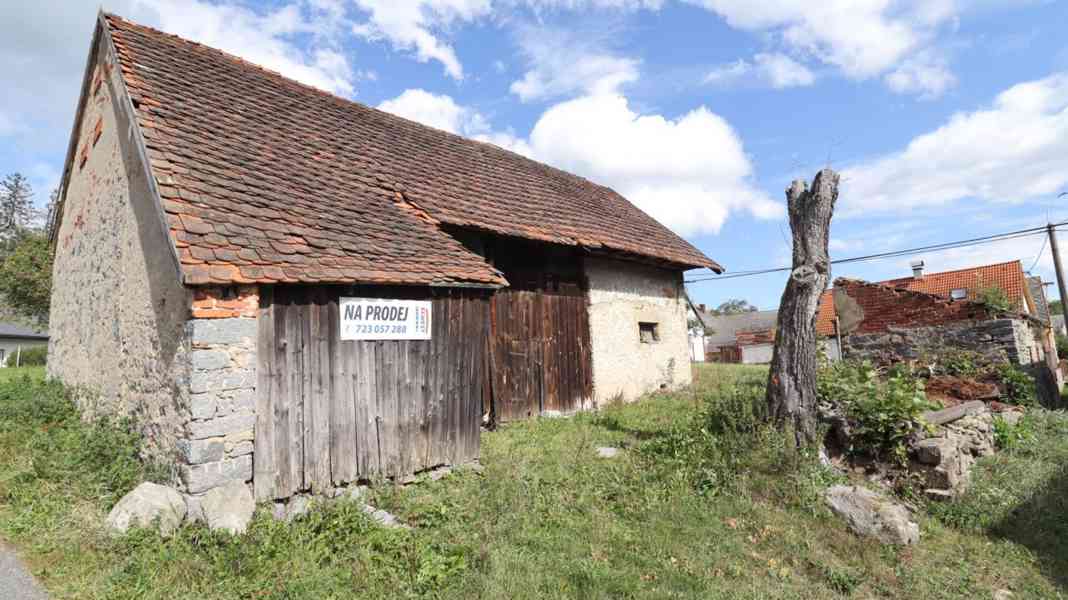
{"x": 791, "y": 393}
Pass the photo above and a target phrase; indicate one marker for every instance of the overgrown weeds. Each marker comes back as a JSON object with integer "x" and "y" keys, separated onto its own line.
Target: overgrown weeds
{"x": 704, "y": 502}
{"x": 884, "y": 408}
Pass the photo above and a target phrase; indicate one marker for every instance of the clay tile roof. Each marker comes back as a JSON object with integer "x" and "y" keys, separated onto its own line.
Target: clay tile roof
{"x": 1009, "y": 276}
{"x": 265, "y": 179}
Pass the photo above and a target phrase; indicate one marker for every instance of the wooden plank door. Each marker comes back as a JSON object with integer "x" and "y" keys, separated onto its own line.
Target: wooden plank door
{"x": 540, "y": 352}
{"x": 330, "y": 412}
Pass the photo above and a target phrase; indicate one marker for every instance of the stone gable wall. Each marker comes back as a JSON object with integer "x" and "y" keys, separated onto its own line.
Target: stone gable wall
{"x": 118, "y": 309}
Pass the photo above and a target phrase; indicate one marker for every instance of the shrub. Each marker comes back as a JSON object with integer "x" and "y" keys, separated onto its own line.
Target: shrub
{"x": 958, "y": 362}
{"x": 883, "y": 411}
{"x": 1062, "y": 345}
{"x": 99, "y": 459}
{"x": 1009, "y": 437}
{"x": 1018, "y": 385}
{"x": 994, "y": 297}
{"x": 36, "y": 356}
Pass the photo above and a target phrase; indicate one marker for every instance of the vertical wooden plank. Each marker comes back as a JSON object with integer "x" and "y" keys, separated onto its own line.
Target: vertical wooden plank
{"x": 292, "y": 454}
{"x": 343, "y": 463}
{"x": 317, "y": 444}
{"x": 440, "y": 392}
{"x": 282, "y": 398}
{"x": 263, "y": 456}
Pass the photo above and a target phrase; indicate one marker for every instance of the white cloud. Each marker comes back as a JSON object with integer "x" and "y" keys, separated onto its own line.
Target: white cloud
{"x": 1014, "y": 150}
{"x": 863, "y": 38}
{"x": 924, "y": 74}
{"x": 267, "y": 39}
{"x": 442, "y": 112}
{"x": 690, "y": 173}
{"x": 773, "y": 69}
{"x": 415, "y": 25}
{"x": 568, "y": 62}
{"x": 436, "y": 110}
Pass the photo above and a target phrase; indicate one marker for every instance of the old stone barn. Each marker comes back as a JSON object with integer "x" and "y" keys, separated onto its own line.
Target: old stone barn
{"x": 283, "y": 286}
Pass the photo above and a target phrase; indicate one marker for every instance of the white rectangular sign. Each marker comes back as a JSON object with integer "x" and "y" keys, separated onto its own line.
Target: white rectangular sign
{"x": 383, "y": 319}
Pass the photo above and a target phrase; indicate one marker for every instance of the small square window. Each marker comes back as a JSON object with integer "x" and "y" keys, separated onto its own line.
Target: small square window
{"x": 958, "y": 294}
{"x": 648, "y": 333}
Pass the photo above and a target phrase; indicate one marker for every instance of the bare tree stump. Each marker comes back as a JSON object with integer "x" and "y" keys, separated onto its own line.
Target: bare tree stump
{"x": 791, "y": 393}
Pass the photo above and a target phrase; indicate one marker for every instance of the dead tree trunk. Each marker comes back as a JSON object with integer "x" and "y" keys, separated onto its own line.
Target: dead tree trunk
{"x": 791, "y": 393}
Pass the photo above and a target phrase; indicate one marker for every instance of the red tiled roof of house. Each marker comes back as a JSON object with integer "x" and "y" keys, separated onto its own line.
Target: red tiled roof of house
{"x": 1009, "y": 276}
{"x": 265, "y": 179}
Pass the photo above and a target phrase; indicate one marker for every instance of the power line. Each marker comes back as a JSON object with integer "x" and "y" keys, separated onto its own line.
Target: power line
{"x": 1038, "y": 257}
{"x": 998, "y": 237}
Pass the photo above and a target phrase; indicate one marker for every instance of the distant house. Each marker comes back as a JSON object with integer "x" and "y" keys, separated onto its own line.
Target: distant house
{"x": 745, "y": 338}
{"x": 904, "y": 318}
{"x": 15, "y": 338}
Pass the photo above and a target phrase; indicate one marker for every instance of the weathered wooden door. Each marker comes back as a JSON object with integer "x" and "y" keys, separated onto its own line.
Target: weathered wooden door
{"x": 331, "y": 412}
{"x": 540, "y": 352}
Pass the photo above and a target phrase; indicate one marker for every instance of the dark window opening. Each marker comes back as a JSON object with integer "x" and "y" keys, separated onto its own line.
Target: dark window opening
{"x": 648, "y": 333}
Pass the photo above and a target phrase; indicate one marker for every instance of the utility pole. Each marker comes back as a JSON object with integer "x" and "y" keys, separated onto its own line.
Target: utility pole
{"x": 1057, "y": 267}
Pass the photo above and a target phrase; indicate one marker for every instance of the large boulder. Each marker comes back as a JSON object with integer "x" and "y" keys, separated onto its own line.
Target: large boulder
{"x": 872, "y": 515}
{"x": 229, "y": 507}
{"x": 147, "y": 505}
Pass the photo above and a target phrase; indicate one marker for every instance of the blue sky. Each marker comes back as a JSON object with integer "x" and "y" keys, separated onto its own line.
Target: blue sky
{"x": 948, "y": 119}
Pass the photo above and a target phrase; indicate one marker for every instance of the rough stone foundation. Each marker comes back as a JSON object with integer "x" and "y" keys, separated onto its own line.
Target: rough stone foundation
{"x": 999, "y": 340}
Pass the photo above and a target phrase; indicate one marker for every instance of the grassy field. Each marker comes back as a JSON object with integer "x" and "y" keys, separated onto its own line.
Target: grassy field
{"x": 14, "y": 373}
{"x": 687, "y": 511}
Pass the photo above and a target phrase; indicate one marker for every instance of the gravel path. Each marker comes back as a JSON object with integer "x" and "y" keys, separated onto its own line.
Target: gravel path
{"x": 16, "y": 583}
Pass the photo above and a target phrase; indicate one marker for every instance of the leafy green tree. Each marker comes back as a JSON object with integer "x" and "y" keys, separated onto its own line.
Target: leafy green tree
{"x": 16, "y": 204}
{"x": 735, "y": 306}
{"x": 26, "y": 276}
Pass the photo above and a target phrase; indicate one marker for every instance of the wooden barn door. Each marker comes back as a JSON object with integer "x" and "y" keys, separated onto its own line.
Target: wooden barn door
{"x": 540, "y": 352}
{"x": 331, "y": 412}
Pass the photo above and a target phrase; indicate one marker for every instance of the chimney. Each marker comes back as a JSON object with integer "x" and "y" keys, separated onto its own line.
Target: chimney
{"x": 917, "y": 269}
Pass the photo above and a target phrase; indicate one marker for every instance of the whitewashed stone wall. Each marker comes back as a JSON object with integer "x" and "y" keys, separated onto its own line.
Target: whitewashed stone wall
{"x": 222, "y": 402}
{"x": 622, "y": 294}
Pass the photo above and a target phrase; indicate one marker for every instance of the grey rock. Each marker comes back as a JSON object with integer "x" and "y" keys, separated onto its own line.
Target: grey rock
{"x": 201, "y": 478}
{"x": 194, "y": 510}
{"x": 384, "y": 518}
{"x": 221, "y": 426}
{"x": 440, "y": 473}
{"x": 241, "y": 449}
{"x": 210, "y": 360}
{"x": 607, "y": 452}
{"x": 298, "y": 506}
{"x": 229, "y": 507}
{"x": 203, "y": 406}
{"x": 147, "y": 505}
{"x": 221, "y": 380}
{"x": 872, "y": 515}
{"x": 198, "y": 452}
{"x": 933, "y": 451}
{"x": 222, "y": 331}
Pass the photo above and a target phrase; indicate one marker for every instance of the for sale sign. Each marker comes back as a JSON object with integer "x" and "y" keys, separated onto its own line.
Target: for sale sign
{"x": 385, "y": 319}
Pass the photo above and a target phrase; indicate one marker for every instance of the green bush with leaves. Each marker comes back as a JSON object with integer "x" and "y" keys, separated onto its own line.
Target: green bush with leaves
{"x": 994, "y": 297}
{"x": 1018, "y": 386}
{"x": 883, "y": 408}
{"x": 958, "y": 362}
{"x": 36, "y": 356}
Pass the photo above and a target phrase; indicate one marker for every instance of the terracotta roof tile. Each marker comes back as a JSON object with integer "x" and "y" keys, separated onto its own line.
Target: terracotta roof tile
{"x": 243, "y": 155}
{"x": 1009, "y": 276}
